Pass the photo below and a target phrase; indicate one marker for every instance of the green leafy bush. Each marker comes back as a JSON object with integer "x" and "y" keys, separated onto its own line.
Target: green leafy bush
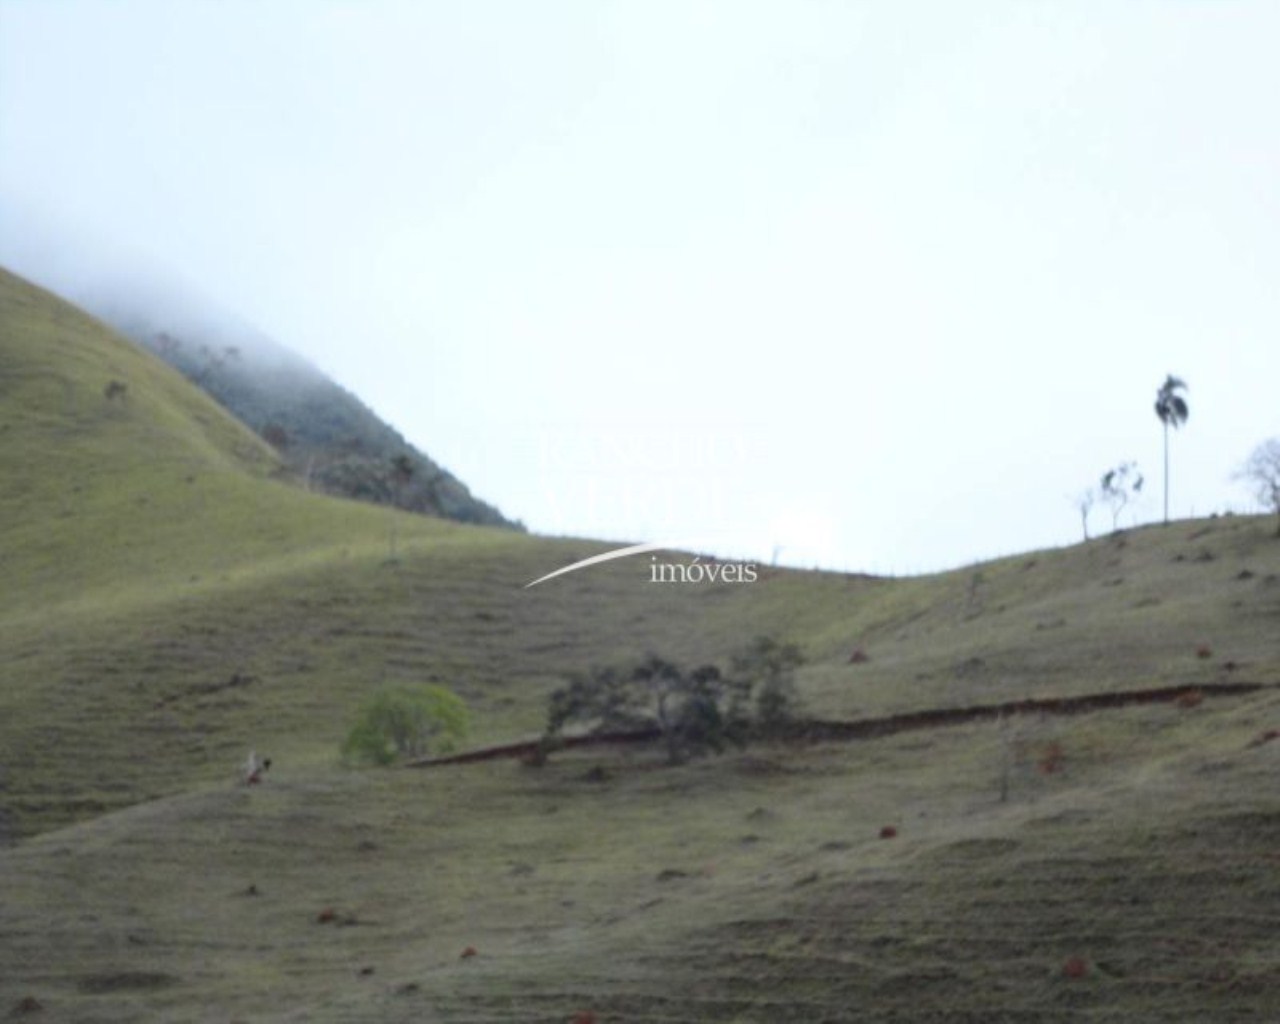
{"x": 768, "y": 666}
{"x": 406, "y": 721}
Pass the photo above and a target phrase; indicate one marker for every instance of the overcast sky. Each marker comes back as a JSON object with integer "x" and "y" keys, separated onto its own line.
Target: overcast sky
{"x": 876, "y": 286}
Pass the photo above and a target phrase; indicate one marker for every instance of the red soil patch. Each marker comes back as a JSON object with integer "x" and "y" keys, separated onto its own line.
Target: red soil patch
{"x": 1050, "y": 762}
{"x": 1265, "y": 737}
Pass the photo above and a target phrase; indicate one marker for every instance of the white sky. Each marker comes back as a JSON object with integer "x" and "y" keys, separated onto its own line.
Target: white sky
{"x": 880, "y": 285}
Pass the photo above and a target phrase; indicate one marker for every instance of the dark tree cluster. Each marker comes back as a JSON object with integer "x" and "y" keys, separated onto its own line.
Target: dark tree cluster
{"x": 693, "y": 712}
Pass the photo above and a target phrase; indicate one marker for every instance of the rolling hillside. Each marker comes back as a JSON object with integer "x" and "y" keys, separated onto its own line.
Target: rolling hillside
{"x": 168, "y": 604}
{"x": 326, "y": 438}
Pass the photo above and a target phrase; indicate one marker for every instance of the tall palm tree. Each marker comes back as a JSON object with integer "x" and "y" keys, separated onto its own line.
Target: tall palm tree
{"x": 1172, "y": 409}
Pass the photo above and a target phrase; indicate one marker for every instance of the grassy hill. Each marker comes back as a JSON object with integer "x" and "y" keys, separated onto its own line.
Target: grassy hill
{"x": 168, "y": 605}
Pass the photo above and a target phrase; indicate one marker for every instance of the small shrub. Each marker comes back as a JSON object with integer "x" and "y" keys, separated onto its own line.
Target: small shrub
{"x": 406, "y": 721}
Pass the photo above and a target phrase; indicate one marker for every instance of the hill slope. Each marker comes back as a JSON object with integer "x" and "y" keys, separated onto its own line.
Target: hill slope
{"x": 168, "y": 605}
{"x": 327, "y": 438}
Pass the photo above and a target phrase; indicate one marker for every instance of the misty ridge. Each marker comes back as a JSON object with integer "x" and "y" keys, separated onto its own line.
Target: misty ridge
{"x": 329, "y": 441}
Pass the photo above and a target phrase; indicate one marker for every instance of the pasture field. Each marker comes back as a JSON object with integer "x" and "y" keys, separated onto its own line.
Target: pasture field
{"x": 169, "y": 604}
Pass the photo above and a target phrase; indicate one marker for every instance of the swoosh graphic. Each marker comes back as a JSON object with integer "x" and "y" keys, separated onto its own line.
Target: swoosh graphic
{"x": 608, "y": 556}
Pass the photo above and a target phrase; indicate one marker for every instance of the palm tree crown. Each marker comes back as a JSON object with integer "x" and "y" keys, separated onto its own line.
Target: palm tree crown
{"x": 1171, "y": 407}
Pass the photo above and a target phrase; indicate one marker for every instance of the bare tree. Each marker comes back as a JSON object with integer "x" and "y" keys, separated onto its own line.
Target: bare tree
{"x": 1119, "y": 487}
{"x": 1172, "y": 409}
{"x": 1084, "y": 504}
{"x": 1261, "y": 471}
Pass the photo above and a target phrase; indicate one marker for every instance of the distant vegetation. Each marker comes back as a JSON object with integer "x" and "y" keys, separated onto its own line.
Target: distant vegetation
{"x": 1261, "y": 471}
{"x": 1173, "y": 411}
{"x": 694, "y": 712}
{"x": 328, "y": 439}
{"x": 1120, "y": 486}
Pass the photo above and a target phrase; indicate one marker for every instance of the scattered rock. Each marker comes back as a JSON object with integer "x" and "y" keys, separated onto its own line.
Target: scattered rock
{"x": 835, "y": 846}
{"x": 808, "y": 879}
{"x": 596, "y": 774}
{"x": 25, "y": 1005}
{"x": 522, "y": 870}
{"x": 366, "y": 971}
{"x": 858, "y": 656}
{"x": 408, "y": 988}
{"x": 671, "y": 875}
{"x": 1245, "y": 574}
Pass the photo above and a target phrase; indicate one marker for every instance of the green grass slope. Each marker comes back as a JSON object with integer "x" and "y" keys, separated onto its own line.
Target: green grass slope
{"x": 751, "y": 888}
{"x": 167, "y": 605}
